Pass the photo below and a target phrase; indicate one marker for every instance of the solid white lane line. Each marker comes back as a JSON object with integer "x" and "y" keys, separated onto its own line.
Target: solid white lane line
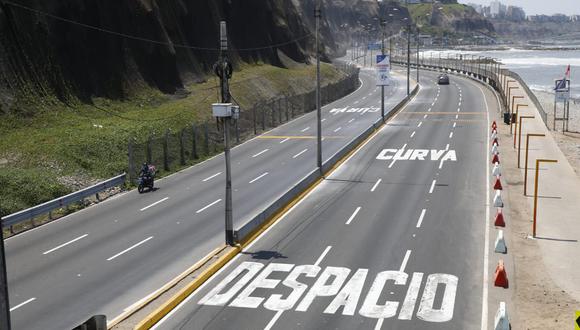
{"x": 258, "y": 178}
{"x": 22, "y": 304}
{"x": 208, "y": 206}
{"x": 454, "y": 124}
{"x": 350, "y": 121}
{"x": 259, "y": 153}
{"x": 432, "y": 186}
{"x": 441, "y": 163}
{"x": 484, "y": 307}
{"x": 447, "y": 147}
{"x": 420, "y": 221}
{"x": 286, "y": 139}
{"x": 376, "y": 185}
{"x": 65, "y": 244}
{"x": 263, "y": 234}
{"x": 300, "y": 153}
{"x": 405, "y": 260}
{"x": 304, "y": 130}
{"x": 129, "y": 249}
{"x": 211, "y": 177}
{"x": 273, "y": 320}
{"x": 413, "y": 134}
{"x": 451, "y": 135}
{"x": 324, "y": 253}
{"x": 353, "y": 216}
{"x": 420, "y": 124}
{"x": 151, "y": 205}
{"x": 338, "y": 129}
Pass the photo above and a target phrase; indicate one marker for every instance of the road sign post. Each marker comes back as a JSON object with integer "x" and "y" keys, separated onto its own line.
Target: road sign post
{"x": 383, "y": 68}
{"x": 562, "y": 95}
{"x": 520, "y": 136}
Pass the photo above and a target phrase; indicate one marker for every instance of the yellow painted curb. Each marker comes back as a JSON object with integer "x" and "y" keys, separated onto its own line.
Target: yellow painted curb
{"x": 135, "y": 307}
{"x": 179, "y": 297}
{"x": 170, "y": 304}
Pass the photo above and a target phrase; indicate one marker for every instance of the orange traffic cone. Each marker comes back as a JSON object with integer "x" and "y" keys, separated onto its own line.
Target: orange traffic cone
{"x": 499, "y": 221}
{"x": 497, "y": 185}
{"x": 495, "y": 159}
{"x": 500, "y": 278}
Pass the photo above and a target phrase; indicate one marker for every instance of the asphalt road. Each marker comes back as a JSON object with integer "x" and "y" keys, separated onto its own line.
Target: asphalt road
{"x": 393, "y": 239}
{"x": 106, "y": 258}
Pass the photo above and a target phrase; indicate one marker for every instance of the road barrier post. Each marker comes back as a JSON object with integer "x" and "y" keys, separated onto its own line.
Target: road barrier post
{"x": 514, "y": 97}
{"x": 516, "y": 123}
{"x": 538, "y": 161}
{"x": 526, "y": 161}
{"x": 520, "y": 136}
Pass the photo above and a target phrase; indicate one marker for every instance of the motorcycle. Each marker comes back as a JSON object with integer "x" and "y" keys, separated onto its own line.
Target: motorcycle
{"x": 146, "y": 181}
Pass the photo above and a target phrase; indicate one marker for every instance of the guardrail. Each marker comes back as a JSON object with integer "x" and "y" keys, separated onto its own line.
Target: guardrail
{"x": 30, "y": 213}
{"x": 251, "y": 225}
{"x": 487, "y": 69}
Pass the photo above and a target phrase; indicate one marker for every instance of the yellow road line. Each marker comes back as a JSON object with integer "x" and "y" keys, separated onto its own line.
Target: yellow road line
{"x": 179, "y": 297}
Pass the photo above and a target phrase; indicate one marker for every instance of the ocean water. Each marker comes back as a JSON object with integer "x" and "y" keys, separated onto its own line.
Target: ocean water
{"x": 539, "y": 68}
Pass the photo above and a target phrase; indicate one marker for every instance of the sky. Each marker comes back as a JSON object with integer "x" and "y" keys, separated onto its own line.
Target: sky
{"x": 535, "y": 7}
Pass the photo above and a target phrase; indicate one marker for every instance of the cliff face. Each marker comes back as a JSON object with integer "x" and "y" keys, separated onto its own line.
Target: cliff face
{"x": 450, "y": 18}
{"x": 116, "y": 46}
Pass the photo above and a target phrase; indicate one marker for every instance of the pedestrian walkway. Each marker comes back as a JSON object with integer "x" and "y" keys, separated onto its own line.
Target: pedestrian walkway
{"x": 558, "y": 212}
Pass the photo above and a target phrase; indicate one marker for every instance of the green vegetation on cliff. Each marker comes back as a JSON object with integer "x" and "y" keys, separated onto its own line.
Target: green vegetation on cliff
{"x": 450, "y": 19}
{"x": 83, "y": 142}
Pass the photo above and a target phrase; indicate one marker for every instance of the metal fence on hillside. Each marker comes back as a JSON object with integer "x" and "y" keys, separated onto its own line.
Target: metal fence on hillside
{"x": 171, "y": 150}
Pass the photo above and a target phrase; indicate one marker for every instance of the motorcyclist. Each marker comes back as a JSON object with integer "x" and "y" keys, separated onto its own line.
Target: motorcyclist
{"x": 145, "y": 173}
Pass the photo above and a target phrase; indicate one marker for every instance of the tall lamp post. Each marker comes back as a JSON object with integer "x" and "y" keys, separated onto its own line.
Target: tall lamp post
{"x": 317, "y": 15}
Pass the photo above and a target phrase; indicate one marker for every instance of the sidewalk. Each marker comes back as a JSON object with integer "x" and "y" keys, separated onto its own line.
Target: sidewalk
{"x": 558, "y": 220}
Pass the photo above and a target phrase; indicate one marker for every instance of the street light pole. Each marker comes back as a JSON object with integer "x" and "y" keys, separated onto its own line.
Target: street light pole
{"x": 317, "y": 14}
{"x": 417, "y": 55}
{"x": 382, "y": 24}
{"x": 408, "y": 59}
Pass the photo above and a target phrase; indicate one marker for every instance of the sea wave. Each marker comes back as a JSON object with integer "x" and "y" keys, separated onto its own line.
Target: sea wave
{"x": 541, "y": 61}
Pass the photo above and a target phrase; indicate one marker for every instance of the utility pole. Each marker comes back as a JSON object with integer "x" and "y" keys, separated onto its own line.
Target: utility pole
{"x": 408, "y": 59}
{"x": 4, "y": 301}
{"x": 317, "y": 14}
{"x": 224, "y": 70}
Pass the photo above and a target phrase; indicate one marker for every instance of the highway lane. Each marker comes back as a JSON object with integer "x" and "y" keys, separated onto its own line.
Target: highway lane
{"x": 107, "y": 257}
{"x": 393, "y": 239}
